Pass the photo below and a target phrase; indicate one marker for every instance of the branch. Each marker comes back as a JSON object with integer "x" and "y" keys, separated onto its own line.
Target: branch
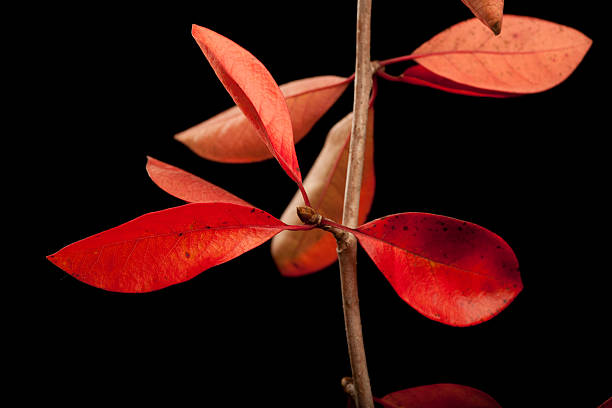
{"x": 346, "y": 242}
{"x": 347, "y": 245}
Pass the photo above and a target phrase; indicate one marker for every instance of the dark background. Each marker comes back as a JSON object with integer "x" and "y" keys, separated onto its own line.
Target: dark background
{"x": 116, "y": 82}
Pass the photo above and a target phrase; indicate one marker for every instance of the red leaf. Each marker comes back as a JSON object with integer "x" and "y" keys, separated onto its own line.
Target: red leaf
{"x": 419, "y": 75}
{"x": 439, "y": 396}
{"x": 186, "y": 186}
{"x": 304, "y": 252}
{"x": 229, "y": 137}
{"x": 255, "y": 92}
{"x": 167, "y": 247}
{"x": 607, "y": 404}
{"x": 531, "y": 55}
{"x": 451, "y": 271}
{"x": 490, "y": 12}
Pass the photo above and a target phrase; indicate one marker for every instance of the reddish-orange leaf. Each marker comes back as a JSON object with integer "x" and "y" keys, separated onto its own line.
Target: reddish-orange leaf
{"x": 419, "y": 75}
{"x": 298, "y": 253}
{"x": 451, "y": 271}
{"x": 256, "y": 94}
{"x": 439, "y": 396}
{"x": 490, "y": 12}
{"x": 531, "y": 55}
{"x": 229, "y": 136}
{"x": 186, "y": 186}
{"x": 167, "y": 247}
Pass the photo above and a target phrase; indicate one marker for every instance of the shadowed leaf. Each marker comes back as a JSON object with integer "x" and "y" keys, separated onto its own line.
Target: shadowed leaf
{"x": 451, "y": 271}
{"x": 419, "y": 75}
{"x": 439, "y": 396}
{"x": 166, "y": 247}
{"x": 531, "y": 55}
{"x": 186, "y": 186}
{"x": 229, "y": 136}
{"x": 298, "y": 253}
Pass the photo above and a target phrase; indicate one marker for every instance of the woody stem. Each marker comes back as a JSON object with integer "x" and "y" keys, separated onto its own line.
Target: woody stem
{"x": 347, "y": 245}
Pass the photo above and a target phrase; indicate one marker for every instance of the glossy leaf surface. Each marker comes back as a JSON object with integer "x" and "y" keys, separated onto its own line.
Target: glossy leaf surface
{"x": 419, "y": 75}
{"x": 451, "y": 271}
{"x": 256, "y": 94}
{"x": 531, "y": 55}
{"x": 439, "y": 396}
{"x": 186, "y": 186}
{"x": 490, "y": 12}
{"x": 166, "y": 247}
{"x": 298, "y": 253}
{"x": 229, "y": 136}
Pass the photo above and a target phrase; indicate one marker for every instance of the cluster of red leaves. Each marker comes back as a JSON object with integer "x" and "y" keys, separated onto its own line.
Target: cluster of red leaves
{"x": 451, "y": 271}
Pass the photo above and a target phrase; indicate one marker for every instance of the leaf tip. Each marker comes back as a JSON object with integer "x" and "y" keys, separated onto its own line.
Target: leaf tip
{"x": 200, "y": 33}
{"x": 496, "y": 26}
{"x": 52, "y": 258}
{"x": 493, "y": 19}
{"x": 180, "y": 137}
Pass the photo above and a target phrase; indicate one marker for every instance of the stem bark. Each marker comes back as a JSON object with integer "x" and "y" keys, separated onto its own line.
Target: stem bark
{"x": 347, "y": 243}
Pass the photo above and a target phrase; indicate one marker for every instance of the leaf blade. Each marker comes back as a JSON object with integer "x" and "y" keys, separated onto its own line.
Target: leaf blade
{"x": 439, "y": 396}
{"x": 186, "y": 186}
{"x": 255, "y": 92}
{"x": 449, "y": 270}
{"x": 229, "y": 137}
{"x": 530, "y": 56}
{"x": 166, "y": 247}
{"x": 298, "y": 254}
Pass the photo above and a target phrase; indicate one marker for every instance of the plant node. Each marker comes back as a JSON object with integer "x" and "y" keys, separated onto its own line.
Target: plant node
{"x": 375, "y": 66}
{"x": 348, "y": 386}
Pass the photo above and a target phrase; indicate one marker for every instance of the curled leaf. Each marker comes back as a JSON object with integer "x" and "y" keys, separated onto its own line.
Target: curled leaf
{"x": 186, "y": 186}
{"x": 449, "y": 270}
{"x": 166, "y": 247}
{"x": 531, "y": 55}
{"x": 490, "y": 12}
{"x": 439, "y": 396}
{"x": 229, "y": 137}
{"x": 419, "y": 75}
{"x": 256, "y": 93}
{"x": 304, "y": 252}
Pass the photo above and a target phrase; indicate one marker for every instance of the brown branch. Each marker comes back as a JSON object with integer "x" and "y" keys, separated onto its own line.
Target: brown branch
{"x": 347, "y": 246}
{"x": 346, "y": 242}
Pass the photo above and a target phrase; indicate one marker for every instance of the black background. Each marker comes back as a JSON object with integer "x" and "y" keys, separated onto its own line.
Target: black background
{"x": 115, "y": 82}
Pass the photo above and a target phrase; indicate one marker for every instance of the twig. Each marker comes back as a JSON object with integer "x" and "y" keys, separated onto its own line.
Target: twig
{"x": 346, "y": 242}
{"x": 347, "y": 245}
